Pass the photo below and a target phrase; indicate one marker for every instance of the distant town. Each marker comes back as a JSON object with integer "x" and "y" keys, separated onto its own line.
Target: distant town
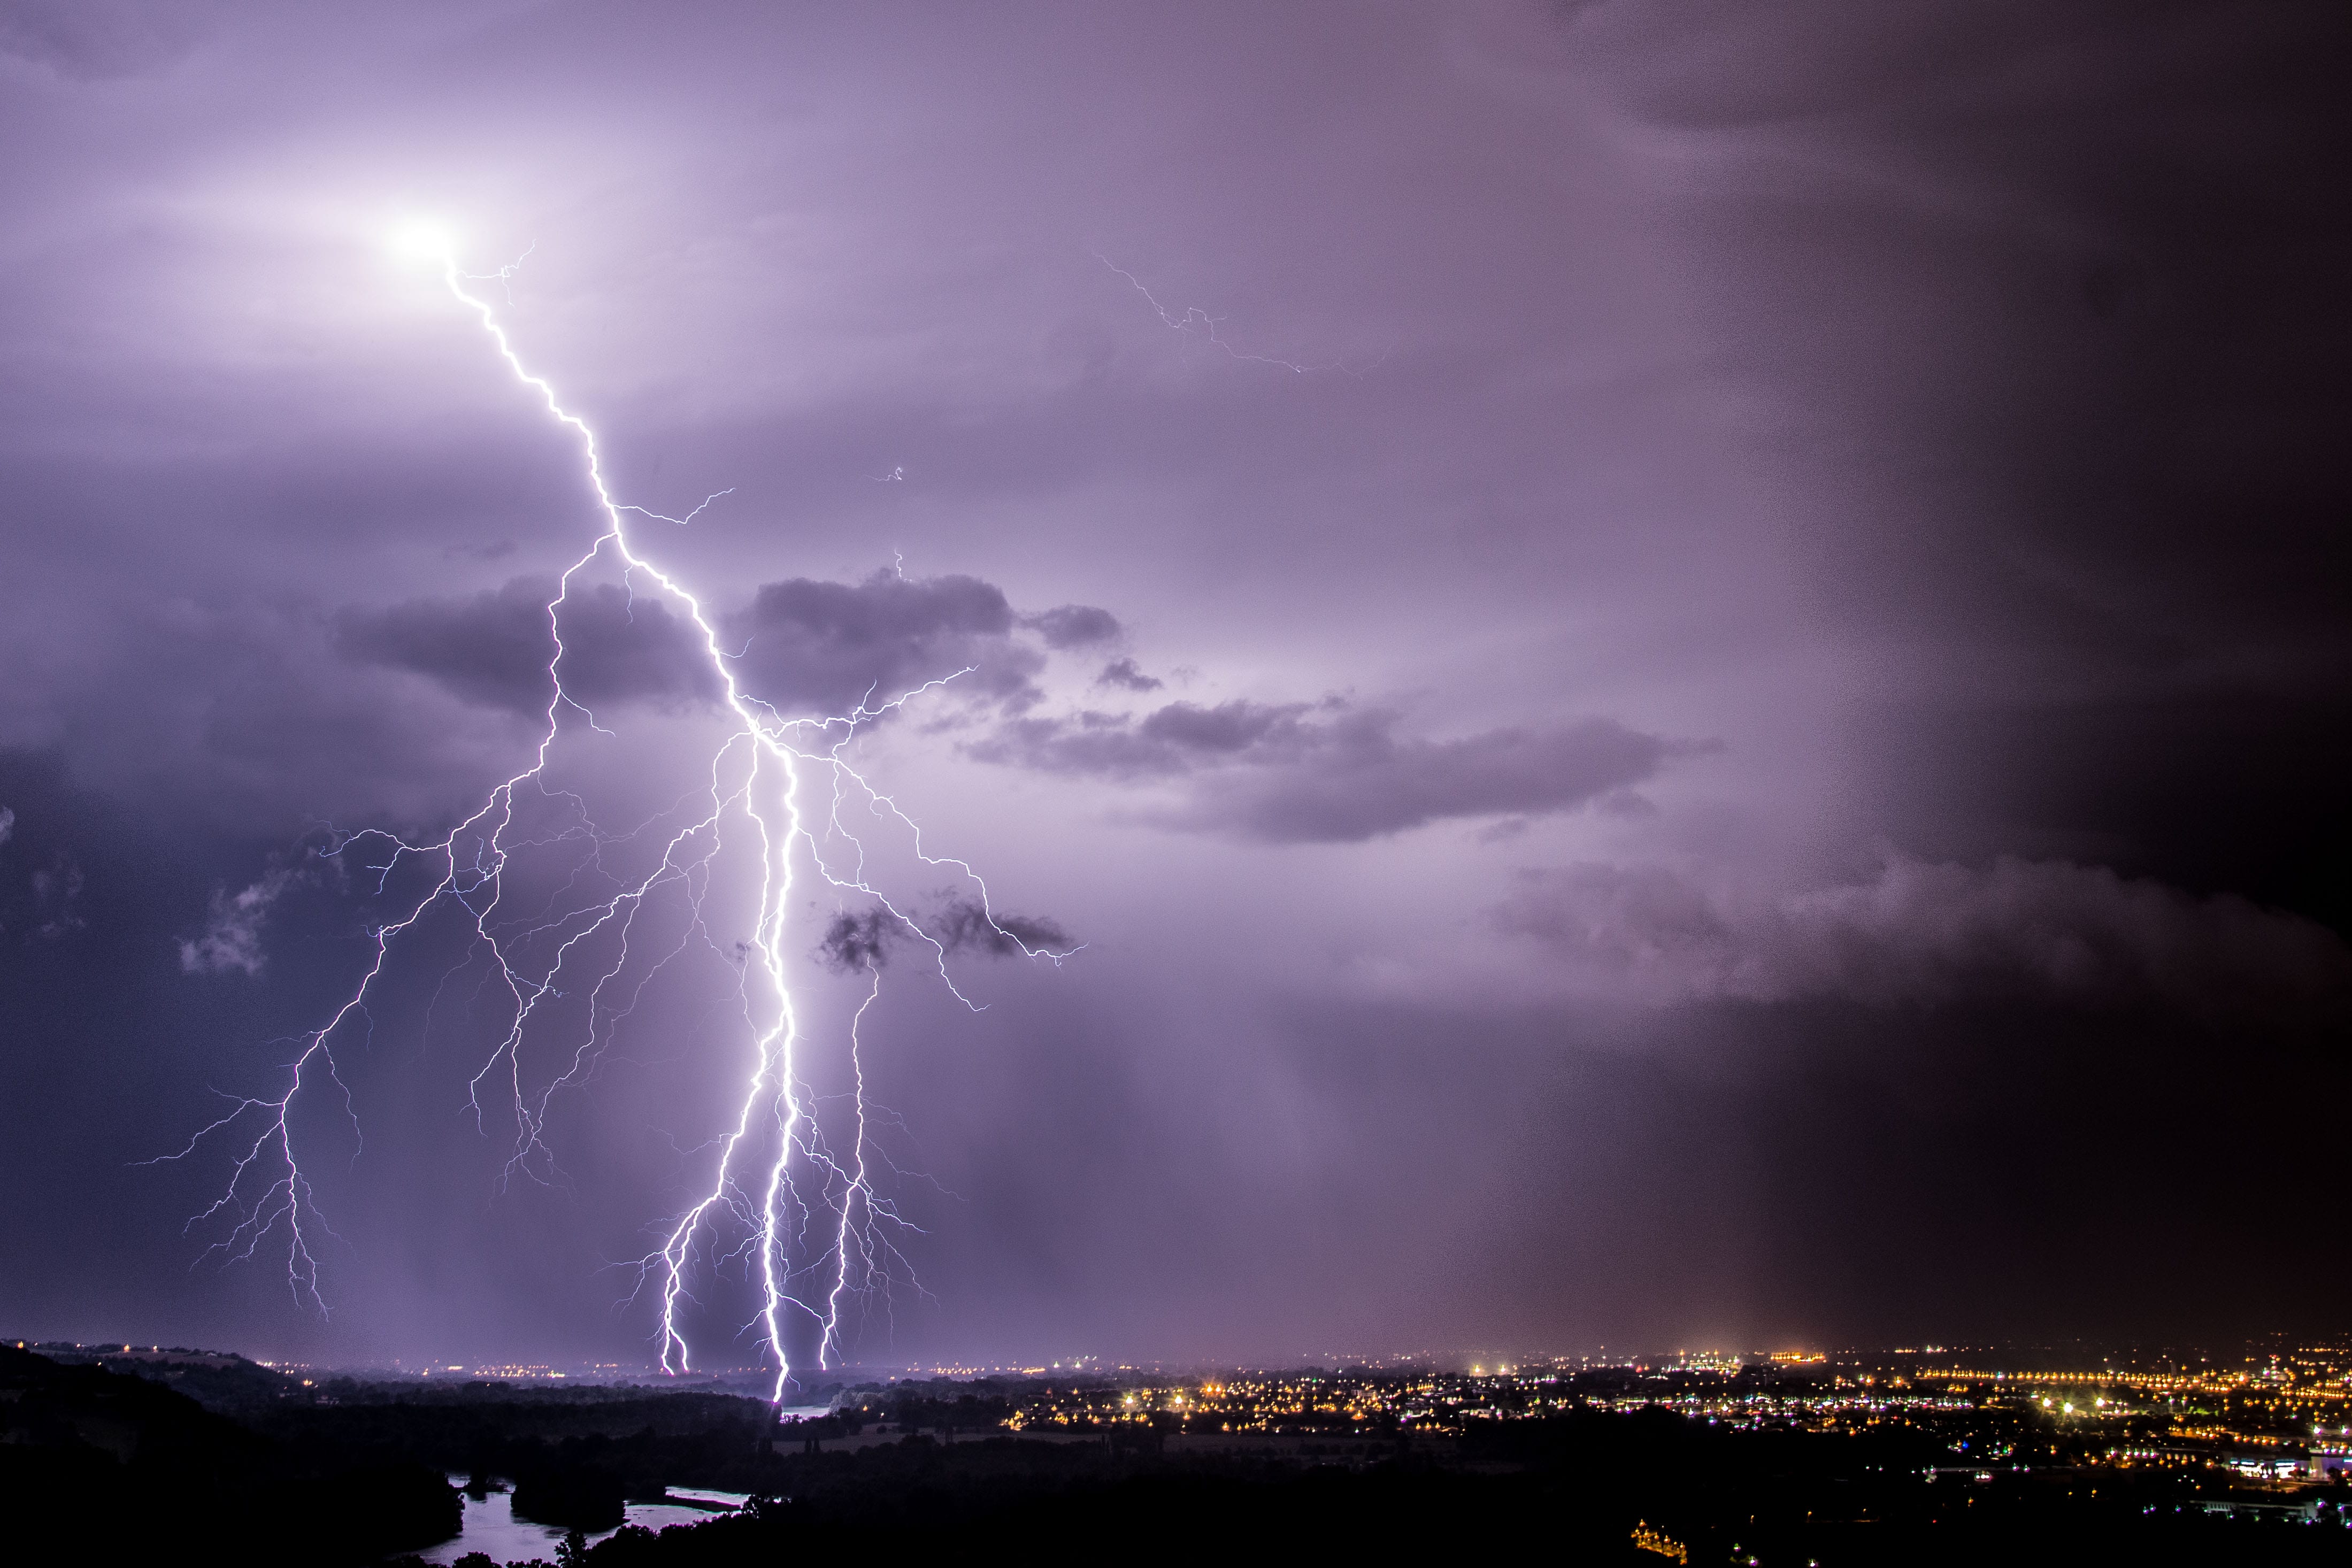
{"x": 2280, "y": 1413}
{"x": 2280, "y": 1410}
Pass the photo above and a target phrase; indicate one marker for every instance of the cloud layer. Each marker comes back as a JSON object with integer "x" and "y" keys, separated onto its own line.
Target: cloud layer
{"x": 805, "y": 646}
{"x": 1297, "y": 772}
{"x": 1323, "y": 772}
{"x": 494, "y": 649}
{"x": 1920, "y": 933}
{"x": 802, "y": 645}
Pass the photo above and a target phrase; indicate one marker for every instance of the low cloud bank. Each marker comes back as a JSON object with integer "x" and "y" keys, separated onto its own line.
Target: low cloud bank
{"x": 1924, "y": 933}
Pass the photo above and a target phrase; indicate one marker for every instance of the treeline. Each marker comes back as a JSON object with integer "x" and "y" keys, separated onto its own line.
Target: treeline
{"x": 578, "y": 1462}
{"x": 571, "y": 1462}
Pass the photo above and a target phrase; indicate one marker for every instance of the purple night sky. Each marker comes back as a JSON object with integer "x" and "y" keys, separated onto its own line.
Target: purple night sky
{"x": 1688, "y": 671}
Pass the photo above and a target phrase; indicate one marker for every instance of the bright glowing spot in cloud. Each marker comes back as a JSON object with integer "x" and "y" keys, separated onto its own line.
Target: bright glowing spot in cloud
{"x": 424, "y": 240}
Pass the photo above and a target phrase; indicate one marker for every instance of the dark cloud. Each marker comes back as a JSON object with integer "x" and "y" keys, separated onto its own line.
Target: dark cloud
{"x": 860, "y": 939}
{"x": 1074, "y": 625}
{"x": 864, "y": 939}
{"x": 494, "y": 650}
{"x": 808, "y": 645}
{"x": 99, "y": 41}
{"x": 1169, "y": 741}
{"x": 1185, "y": 730}
{"x": 963, "y": 925}
{"x": 801, "y": 644}
{"x": 46, "y": 902}
{"x": 42, "y": 881}
{"x": 1927, "y": 934}
{"x": 2101, "y": 230}
{"x": 1123, "y": 673}
{"x": 1283, "y": 772}
{"x": 1368, "y": 783}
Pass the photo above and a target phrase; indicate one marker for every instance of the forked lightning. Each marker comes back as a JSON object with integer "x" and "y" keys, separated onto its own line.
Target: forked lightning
{"x": 774, "y": 1173}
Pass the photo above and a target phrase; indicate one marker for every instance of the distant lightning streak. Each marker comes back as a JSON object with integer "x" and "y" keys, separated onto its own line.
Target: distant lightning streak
{"x": 755, "y": 775}
{"x": 1195, "y": 320}
{"x": 854, "y": 1190}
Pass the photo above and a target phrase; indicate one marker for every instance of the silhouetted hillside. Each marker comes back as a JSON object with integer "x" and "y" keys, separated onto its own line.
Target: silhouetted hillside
{"x": 135, "y": 1472}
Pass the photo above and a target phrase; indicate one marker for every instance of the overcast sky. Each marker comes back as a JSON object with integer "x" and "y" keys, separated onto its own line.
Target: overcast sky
{"x": 1687, "y": 674}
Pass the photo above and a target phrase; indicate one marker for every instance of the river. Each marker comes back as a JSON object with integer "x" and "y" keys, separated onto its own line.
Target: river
{"x": 491, "y": 1526}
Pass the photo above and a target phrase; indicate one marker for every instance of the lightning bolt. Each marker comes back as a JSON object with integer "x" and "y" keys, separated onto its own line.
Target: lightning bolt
{"x": 775, "y": 1179}
{"x": 1195, "y": 320}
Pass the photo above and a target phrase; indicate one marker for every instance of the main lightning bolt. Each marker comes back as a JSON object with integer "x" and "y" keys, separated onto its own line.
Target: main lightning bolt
{"x": 756, "y": 774}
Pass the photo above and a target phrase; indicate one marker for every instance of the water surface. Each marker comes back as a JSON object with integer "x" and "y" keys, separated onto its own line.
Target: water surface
{"x": 491, "y": 1526}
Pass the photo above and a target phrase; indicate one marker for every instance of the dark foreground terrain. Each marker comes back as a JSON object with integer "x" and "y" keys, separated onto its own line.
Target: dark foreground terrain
{"x": 116, "y": 1469}
{"x": 128, "y": 1471}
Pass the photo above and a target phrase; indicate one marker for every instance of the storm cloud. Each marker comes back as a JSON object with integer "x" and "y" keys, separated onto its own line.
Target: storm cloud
{"x": 494, "y": 649}
{"x": 801, "y": 646}
{"x": 1125, "y": 674}
{"x": 1319, "y": 773}
{"x": 1074, "y": 625}
{"x": 805, "y": 646}
{"x": 1921, "y": 934}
